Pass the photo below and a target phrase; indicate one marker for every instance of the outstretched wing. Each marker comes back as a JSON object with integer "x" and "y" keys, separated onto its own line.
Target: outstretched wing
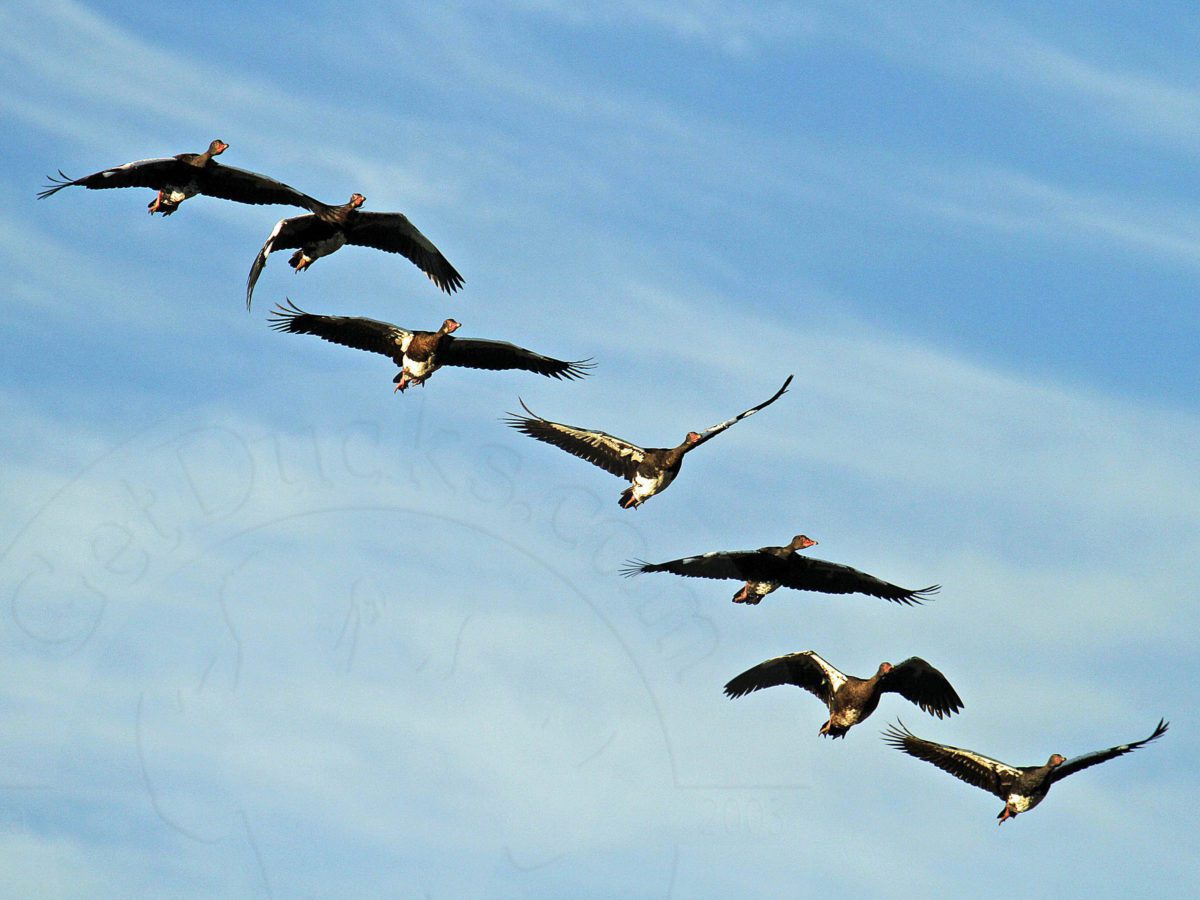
{"x": 287, "y": 234}
{"x": 709, "y": 433}
{"x": 612, "y": 454}
{"x": 242, "y": 186}
{"x": 804, "y": 573}
{"x": 475, "y": 353}
{"x": 349, "y": 331}
{"x": 148, "y": 173}
{"x": 394, "y": 233}
{"x": 1078, "y": 763}
{"x": 918, "y": 682}
{"x": 806, "y": 670}
{"x": 967, "y": 765}
{"x": 737, "y": 565}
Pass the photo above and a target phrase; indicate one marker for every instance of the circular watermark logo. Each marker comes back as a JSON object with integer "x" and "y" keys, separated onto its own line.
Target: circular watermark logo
{"x": 347, "y": 626}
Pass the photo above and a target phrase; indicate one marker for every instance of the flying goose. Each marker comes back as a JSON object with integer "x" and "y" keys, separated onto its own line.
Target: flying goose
{"x": 420, "y": 353}
{"x": 850, "y": 699}
{"x": 176, "y": 178}
{"x": 768, "y": 568}
{"x": 328, "y": 228}
{"x": 1020, "y": 787}
{"x": 649, "y": 470}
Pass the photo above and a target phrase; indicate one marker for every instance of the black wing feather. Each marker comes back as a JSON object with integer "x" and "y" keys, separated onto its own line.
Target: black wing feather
{"x": 394, "y": 233}
{"x": 710, "y": 433}
{"x": 243, "y": 186}
{"x": 147, "y": 173}
{"x": 799, "y": 669}
{"x": 808, "y": 574}
{"x": 966, "y": 765}
{"x": 476, "y": 353}
{"x": 349, "y": 331}
{"x": 612, "y": 454}
{"x": 918, "y": 682}
{"x": 1078, "y": 763}
{"x": 737, "y": 565}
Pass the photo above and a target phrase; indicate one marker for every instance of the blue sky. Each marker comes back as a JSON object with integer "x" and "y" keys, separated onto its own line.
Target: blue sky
{"x": 270, "y": 630}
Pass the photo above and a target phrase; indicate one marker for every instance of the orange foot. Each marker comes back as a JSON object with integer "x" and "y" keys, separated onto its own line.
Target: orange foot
{"x": 745, "y": 596}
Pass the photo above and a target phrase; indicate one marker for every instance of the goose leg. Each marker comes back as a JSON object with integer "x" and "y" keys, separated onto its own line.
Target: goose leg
{"x": 745, "y": 595}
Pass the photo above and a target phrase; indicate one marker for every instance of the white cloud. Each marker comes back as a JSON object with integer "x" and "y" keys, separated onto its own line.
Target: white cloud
{"x": 736, "y": 31}
{"x": 1018, "y": 202}
{"x": 968, "y": 38}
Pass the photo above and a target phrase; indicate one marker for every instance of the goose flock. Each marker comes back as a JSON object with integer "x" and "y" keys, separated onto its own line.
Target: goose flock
{"x": 849, "y": 700}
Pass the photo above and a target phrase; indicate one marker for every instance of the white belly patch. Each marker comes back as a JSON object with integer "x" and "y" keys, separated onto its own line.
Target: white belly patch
{"x": 846, "y": 718}
{"x": 418, "y": 368}
{"x": 762, "y": 588}
{"x": 1020, "y": 803}
{"x": 646, "y": 486}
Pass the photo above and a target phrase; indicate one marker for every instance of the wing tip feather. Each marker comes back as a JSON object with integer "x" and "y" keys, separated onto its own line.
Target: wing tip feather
{"x": 733, "y": 691}
{"x": 55, "y": 185}
{"x": 283, "y": 318}
{"x": 896, "y": 734}
{"x": 917, "y": 597}
{"x": 632, "y": 567}
{"x": 574, "y": 369}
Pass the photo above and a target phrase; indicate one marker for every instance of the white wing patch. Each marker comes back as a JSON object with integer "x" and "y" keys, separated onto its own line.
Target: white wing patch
{"x": 623, "y": 449}
{"x": 260, "y": 261}
{"x": 266, "y": 250}
{"x": 987, "y": 762}
{"x": 836, "y": 678}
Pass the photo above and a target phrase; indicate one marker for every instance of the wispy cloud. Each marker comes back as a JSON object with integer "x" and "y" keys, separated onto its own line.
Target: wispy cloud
{"x": 736, "y": 31}
{"x": 257, "y": 535}
{"x": 649, "y": 137}
{"x": 973, "y": 40}
{"x": 1017, "y": 202}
